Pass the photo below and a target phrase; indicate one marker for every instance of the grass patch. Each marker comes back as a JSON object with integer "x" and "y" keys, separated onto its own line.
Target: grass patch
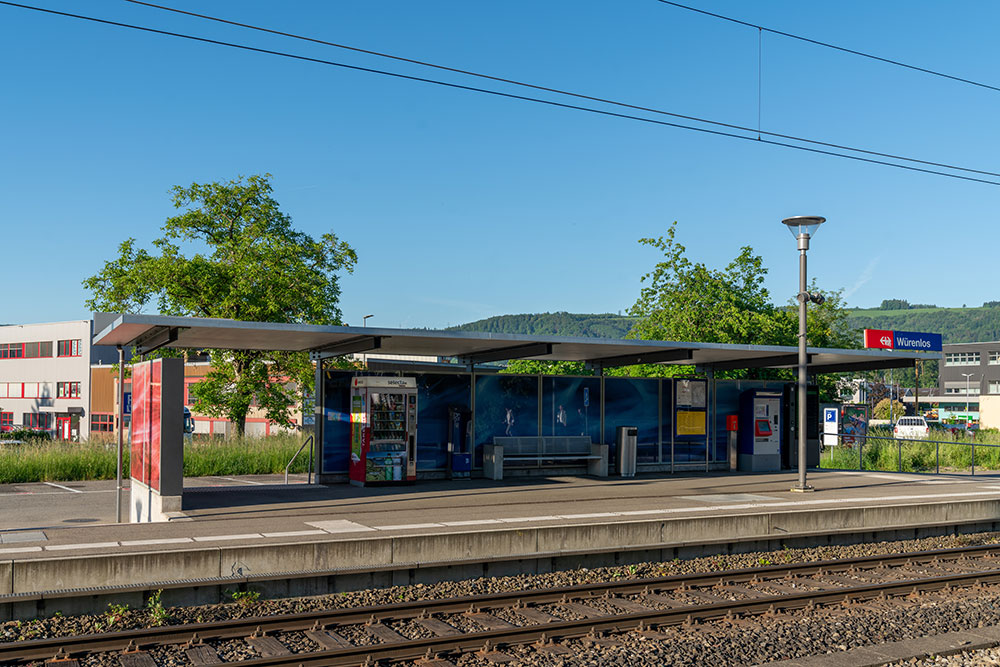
{"x": 953, "y": 453}
{"x": 58, "y": 461}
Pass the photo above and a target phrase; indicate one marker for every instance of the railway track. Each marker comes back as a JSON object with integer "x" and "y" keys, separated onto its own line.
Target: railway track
{"x": 434, "y": 631}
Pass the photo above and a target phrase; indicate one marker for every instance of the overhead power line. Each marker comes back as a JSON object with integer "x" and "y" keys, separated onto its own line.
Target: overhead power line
{"x": 496, "y": 93}
{"x": 582, "y": 96}
{"x": 835, "y": 47}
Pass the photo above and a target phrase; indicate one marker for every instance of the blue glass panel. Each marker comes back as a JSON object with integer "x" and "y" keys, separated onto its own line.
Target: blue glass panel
{"x": 435, "y": 394}
{"x": 633, "y": 402}
{"x": 667, "y": 417}
{"x": 506, "y": 405}
{"x": 337, "y": 424}
{"x": 571, "y": 406}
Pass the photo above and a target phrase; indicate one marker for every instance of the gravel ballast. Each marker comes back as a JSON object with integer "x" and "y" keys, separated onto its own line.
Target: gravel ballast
{"x": 741, "y": 641}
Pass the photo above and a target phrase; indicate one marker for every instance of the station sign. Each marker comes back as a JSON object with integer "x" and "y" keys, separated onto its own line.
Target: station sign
{"x": 885, "y": 339}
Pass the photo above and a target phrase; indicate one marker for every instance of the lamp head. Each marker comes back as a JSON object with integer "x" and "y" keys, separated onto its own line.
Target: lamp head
{"x": 803, "y": 224}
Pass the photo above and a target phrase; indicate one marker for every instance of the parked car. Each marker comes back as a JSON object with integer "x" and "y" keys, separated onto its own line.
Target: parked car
{"x": 911, "y": 427}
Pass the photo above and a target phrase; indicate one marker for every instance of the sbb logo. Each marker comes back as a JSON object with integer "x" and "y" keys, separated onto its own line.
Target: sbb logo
{"x": 879, "y": 339}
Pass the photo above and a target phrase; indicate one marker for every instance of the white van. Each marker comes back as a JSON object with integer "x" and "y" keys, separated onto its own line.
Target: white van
{"x": 911, "y": 427}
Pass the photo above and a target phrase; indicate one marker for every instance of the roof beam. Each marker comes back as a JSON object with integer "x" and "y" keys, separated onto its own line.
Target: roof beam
{"x": 154, "y": 340}
{"x": 761, "y": 362}
{"x": 651, "y": 357}
{"x": 864, "y": 366}
{"x": 506, "y": 353}
{"x": 349, "y": 346}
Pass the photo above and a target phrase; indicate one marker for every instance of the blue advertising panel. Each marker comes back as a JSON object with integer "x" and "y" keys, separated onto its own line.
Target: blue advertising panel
{"x": 910, "y": 340}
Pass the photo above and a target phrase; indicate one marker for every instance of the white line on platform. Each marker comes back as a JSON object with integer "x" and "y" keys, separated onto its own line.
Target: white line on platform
{"x": 410, "y": 526}
{"x": 219, "y": 538}
{"x": 589, "y": 515}
{"x": 162, "y": 540}
{"x": 244, "y": 481}
{"x": 472, "y": 522}
{"x": 20, "y": 550}
{"x": 86, "y": 545}
{"x": 60, "y": 486}
{"x": 296, "y": 533}
{"x": 521, "y": 519}
{"x": 339, "y": 526}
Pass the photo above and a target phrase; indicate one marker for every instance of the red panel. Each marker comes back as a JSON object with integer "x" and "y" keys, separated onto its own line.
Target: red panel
{"x": 732, "y": 422}
{"x": 140, "y": 421}
{"x": 155, "y": 407}
{"x": 881, "y": 339}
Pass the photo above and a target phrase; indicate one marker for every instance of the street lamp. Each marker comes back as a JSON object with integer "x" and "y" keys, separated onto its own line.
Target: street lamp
{"x": 967, "y": 376}
{"x": 802, "y": 228}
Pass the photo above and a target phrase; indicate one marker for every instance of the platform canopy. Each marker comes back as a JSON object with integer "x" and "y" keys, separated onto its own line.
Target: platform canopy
{"x": 148, "y": 332}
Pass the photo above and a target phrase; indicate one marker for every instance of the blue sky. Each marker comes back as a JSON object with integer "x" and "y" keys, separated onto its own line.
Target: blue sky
{"x": 462, "y": 206}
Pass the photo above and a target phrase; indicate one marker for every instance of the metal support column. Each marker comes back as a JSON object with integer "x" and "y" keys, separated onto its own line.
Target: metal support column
{"x": 121, "y": 432}
{"x": 803, "y": 361}
{"x": 319, "y": 415}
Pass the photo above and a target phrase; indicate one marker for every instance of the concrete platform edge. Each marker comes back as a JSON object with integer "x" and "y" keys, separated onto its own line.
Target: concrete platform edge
{"x": 380, "y": 560}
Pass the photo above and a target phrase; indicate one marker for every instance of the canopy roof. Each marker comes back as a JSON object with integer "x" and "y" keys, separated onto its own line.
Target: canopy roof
{"x": 148, "y": 332}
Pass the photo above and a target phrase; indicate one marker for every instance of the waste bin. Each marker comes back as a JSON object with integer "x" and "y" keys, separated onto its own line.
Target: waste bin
{"x": 626, "y": 438}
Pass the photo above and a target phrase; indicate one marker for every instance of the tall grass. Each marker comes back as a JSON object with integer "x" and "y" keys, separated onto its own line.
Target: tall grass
{"x": 950, "y": 453}
{"x": 57, "y": 461}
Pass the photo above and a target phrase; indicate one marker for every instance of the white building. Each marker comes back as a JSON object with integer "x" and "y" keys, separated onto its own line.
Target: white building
{"x": 45, "y": 377}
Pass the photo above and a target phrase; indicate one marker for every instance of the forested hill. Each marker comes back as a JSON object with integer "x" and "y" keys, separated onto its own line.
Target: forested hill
{"x": 958, "y": 325}
{"x": 606, "y": 325}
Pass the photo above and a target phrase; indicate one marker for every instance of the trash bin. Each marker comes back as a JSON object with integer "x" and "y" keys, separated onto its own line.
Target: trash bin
{"x": 626, "y": 438}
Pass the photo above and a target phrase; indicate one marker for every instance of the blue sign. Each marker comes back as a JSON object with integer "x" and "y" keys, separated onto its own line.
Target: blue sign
{"x": 127, "y": 403}
{"x": 909, "y": 340}
{"x": 586, "y": 397}
{"x": 830, "y": 414}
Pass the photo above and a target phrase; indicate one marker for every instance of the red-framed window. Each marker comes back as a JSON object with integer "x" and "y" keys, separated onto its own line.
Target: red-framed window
{"x": 35, "y": 350}
{"x": 67, "y": 390}
{"x": 37, "y": 420}
{"x": 68, "y": 348}
{"x": 21, "y": 390}
{"x": 102, "y": 423}
{"x": 6, "y": 421}
{"x": 11, "y": 350}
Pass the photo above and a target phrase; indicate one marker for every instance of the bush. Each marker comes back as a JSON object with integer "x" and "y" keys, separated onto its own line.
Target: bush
{"x": 881, "y": 409}
{"x": 25, "y": 434}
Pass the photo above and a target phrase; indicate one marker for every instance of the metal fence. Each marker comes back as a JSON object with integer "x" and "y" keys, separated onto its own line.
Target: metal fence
{"x": 887, "y": 453}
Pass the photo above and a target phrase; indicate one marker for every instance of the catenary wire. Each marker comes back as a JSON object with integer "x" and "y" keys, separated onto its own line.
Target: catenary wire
{"x": 558, "y": 91}
{"x": 835, "y": 47}
{"x": 496, "y": 93}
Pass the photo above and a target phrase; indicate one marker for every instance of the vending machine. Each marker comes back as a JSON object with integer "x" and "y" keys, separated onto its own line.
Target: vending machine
{"x": 760, "y": 441}
{"x": 383, "y": 430}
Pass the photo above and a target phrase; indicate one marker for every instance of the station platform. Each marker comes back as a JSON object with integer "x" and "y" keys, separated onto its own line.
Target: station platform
{"x": 63, "y": 536}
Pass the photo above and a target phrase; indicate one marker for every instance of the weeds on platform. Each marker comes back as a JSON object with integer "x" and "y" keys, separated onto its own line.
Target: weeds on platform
{"x": 59, "y": 461}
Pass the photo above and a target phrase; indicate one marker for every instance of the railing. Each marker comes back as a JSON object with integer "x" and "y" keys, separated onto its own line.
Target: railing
{"x": 308, "y": 441}
{"x": 918, "y": 451}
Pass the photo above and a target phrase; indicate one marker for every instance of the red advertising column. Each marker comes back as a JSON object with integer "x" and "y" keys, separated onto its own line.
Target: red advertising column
{"x": 156, "y": 465}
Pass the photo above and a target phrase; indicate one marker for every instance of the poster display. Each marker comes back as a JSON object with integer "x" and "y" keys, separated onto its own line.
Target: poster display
{"x": 691, "y": 422}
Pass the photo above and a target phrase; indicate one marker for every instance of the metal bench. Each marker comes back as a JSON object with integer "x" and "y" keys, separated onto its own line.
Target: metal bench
{"x": 544, "y": 448}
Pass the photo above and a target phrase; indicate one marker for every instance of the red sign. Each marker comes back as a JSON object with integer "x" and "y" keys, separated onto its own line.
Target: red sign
{"x": 881, "y": 339}
{"x": 732, "y": 423}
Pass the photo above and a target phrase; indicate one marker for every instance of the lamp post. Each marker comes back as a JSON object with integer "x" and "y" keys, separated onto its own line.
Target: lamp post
{"x": 364, "y": 325}
{"x": 967, "y": 376}
{"x": 802, "y": 228}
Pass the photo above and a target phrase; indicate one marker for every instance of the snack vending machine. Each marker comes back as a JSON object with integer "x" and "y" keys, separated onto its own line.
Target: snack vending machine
{"x": 383, "y": 430}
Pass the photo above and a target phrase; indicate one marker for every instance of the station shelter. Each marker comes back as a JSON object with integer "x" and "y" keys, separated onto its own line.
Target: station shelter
{"x": 462, "y": 401}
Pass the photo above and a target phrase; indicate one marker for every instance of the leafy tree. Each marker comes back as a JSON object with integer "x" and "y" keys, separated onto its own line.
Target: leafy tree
{"x": 247, "y": 263}
{"x": 881, "y": 410}
{"x": 687, "y": 301}
{"x": 894, "y": 304}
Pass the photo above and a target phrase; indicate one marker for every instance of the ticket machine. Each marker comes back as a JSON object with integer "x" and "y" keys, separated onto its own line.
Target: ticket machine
{"x": 760, "y": 440}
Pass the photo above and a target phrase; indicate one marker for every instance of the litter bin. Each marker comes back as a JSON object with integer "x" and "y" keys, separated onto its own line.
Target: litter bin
{"x": 626, "y": 438}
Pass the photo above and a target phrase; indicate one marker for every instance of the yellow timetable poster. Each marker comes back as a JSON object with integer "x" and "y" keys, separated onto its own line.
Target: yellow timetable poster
{"x": 690, "y": 422}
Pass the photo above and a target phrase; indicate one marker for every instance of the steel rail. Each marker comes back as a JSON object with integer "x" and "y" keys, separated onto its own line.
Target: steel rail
{"x": 36, "y": 649}
{"x": 417, "y": 648}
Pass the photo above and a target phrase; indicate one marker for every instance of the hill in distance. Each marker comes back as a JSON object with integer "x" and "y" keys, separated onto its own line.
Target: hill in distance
{"x": 957, "y": 325}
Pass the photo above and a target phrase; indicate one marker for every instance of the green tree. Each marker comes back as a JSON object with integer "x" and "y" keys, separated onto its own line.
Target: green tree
{"x": 881, "y": 409}
{"x": 246, "y": 262}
